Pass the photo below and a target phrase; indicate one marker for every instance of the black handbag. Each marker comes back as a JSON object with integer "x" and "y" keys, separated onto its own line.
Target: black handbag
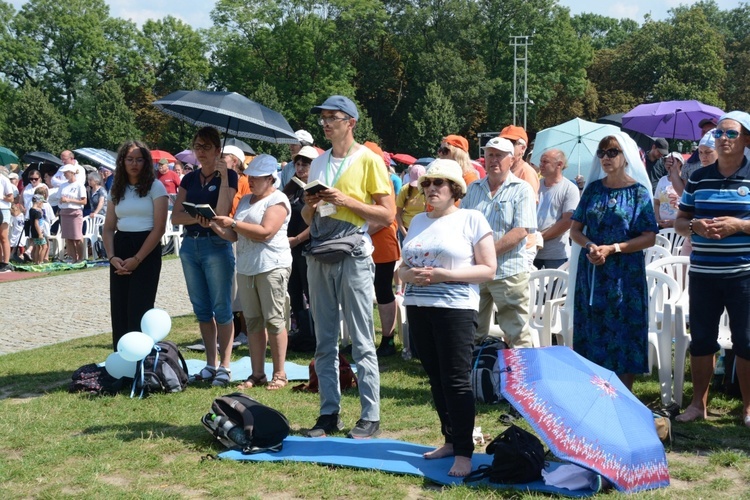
{"x": 333, "y": 251}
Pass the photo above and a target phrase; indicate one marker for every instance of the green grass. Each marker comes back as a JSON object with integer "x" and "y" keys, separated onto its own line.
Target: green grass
{"x": 55, "y": 444}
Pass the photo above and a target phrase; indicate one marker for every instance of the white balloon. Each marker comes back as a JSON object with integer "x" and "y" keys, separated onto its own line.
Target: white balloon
{"x": 156, "y": 323}
{"x": 135, "y": 346}
{"x": 118, "y": 367}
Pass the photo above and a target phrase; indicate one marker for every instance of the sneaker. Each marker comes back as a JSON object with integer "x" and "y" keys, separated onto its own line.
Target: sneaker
{"x": 365, "y": 429}
{"x": 387, "y": 347}
{"x": 241, "y": 338}
{"x": 326, "y": 424}
{"x": 5, "y": 268}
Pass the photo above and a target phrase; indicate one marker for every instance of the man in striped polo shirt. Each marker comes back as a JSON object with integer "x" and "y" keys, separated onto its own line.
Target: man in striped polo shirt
{"x": 715, "y": 214}
{"x": 509, "y": 204}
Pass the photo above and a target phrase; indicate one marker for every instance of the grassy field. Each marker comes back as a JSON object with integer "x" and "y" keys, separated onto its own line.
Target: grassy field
{"x": 54, "y": 444}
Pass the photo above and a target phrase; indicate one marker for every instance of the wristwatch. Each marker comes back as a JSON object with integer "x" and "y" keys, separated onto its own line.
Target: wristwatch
{"x": 617, "y": 248}
{"x": 234, "y": 224}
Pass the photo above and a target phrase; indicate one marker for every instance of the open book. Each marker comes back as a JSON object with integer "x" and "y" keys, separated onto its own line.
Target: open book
{"x": 311, "y": 187}
{"x": 204, "y": 210}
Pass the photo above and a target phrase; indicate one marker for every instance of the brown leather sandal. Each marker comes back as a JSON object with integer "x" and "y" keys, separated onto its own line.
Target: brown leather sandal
{"x": 278, "y": 381}
{"x": 253, "y": 381}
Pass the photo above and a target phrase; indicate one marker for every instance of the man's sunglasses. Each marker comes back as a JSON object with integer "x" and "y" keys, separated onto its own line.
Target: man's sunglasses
{"x": 436, "y": 182}
{"x": 731, "y": 134}
{"x": 609, "y": 153}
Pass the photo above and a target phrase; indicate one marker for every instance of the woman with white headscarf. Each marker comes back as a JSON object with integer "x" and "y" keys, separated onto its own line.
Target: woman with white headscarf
{"x": 612, "y": 225}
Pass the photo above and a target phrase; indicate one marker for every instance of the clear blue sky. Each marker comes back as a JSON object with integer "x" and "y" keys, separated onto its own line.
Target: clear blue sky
{"x": 196, "y": 12}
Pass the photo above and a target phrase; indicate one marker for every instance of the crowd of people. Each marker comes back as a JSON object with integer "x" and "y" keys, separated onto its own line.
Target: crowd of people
{"x": 456, "y": 238}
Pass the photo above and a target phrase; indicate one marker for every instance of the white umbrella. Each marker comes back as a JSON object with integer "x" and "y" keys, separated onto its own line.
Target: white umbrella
{"x": 578, "y": 139}
{"x": 98, "y": 156}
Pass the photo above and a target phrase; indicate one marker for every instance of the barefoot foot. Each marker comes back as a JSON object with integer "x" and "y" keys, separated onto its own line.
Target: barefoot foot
{"x": 444, "y": 451}
{"x": 691, "y": 414}
{"x": 461, "y": 467}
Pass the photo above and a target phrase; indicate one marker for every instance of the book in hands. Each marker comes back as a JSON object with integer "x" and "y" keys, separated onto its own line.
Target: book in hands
{"x": 314, "y": 187}
{"x": 203, "y": 209}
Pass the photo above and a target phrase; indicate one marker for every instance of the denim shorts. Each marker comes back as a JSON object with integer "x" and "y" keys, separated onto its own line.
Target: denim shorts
{"x": 208, "y": 265}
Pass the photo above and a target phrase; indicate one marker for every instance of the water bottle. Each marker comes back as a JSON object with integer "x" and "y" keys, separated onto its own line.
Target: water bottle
{"x": 233, "y": 432}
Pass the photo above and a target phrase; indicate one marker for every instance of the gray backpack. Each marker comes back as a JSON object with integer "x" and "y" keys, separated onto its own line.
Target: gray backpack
{"x": 163, "y": 371}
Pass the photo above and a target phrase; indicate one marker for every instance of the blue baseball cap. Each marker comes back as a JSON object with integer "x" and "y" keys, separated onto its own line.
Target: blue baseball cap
{"x": 739, "y": 116}
{"x": 337, "y": 103}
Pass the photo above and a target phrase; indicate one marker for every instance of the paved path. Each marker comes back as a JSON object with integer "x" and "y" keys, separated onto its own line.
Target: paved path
{"x": 43, "y": 311}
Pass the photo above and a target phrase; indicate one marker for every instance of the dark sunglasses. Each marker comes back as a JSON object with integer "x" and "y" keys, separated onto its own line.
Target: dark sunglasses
{"x": 731, "y": 134}
{"x": 609, "y": 153}
{"x": 444, "y": 151}
{"x": 436, "y": 182}
{"x": 33, "y": 178}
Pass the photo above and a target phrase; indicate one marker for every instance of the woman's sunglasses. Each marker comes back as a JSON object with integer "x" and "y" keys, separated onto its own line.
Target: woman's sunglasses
{"x": 444, "y": 151}
{"x": 609, "y": 153}
{"x": 428, "y": 182}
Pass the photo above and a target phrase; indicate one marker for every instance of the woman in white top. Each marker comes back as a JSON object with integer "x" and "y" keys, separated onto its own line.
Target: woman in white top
{"x": 6, "y": 198}
{"x": 135, "y": 222}
{"x": 72, "y": 199}
{"x": 264, "y": 261}
{"x": 446, "y": 254}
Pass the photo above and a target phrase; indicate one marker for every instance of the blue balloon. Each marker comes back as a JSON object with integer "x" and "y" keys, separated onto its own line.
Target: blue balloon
{"x": 135, "y": 346}
{"x": 156, "y": 323}
{"x": 118, "y": 367}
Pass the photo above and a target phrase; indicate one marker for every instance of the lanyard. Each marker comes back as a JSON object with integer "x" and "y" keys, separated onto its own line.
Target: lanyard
{"x": 341, "y": 167}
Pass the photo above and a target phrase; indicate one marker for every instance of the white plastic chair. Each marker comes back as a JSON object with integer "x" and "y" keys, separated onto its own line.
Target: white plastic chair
{"x": 56, "y": 243}
{"x": 682, "y": 344}
{"x": 545, "y": 285}
{"x": 677, "y": 268}
{"x": 92, "y": 233}
{"x": 663, "y": 292}
{"x": 675, "y": 239}
{"x": 655, "y": 253}
{"x": 663, "y": 241}
{"x": 173, "y": 235}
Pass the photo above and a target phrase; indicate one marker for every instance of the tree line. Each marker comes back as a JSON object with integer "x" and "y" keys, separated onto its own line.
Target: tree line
{"x": 73, "y": 76}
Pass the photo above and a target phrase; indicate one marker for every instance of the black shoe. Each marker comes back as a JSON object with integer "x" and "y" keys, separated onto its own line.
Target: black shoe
{"x": 365, "y": 429}
{"x": 5, "y": 268}
{"x": 346, "y": 350}
{"x": 326, "y": 424}
{"x": 387, "y": 347}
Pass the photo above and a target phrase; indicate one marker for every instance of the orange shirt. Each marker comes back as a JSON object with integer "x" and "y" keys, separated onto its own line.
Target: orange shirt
{"x": 243, "y": 188}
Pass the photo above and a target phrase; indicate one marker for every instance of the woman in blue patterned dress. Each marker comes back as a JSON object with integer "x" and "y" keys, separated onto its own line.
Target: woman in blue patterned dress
{"x": 613, "y": 223}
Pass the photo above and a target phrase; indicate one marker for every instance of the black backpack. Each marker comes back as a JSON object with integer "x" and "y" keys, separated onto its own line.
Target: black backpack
{"x": 240, "y": 422}
{"x": 485, "y": 381}
{"x": 519, "y": 458}
{"x": 163, "y": 370}
{"x": 94, "y": 380}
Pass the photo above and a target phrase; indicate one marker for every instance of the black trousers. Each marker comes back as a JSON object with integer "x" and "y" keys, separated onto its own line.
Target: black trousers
{"x": 444, "y": 339}
{"x": 132, "y": 295}
{"x": 297, "y": 287}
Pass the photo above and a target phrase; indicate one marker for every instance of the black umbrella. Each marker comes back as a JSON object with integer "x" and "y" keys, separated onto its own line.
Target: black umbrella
{"x": 244, "y": 147}
{"x": 644, "y": 141}
{"x": 230, "y": 113}
{"x": 42, "y": 157}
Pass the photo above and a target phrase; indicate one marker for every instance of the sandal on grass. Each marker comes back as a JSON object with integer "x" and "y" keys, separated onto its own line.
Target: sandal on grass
{"x": 253, "y": 381}
{"x": 223, "y": 377}
{"x": 277, "y": 382}
{"x": 207, "y": 374}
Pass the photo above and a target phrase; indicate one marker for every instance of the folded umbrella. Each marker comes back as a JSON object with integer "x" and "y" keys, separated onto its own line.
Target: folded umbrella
{"x": 585, "y": 415}
{"x": 670, "y": 119}
{"x": 229, "y": 112}
{"x": 98, "y": 156}
{"x": 578, "y": 139}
